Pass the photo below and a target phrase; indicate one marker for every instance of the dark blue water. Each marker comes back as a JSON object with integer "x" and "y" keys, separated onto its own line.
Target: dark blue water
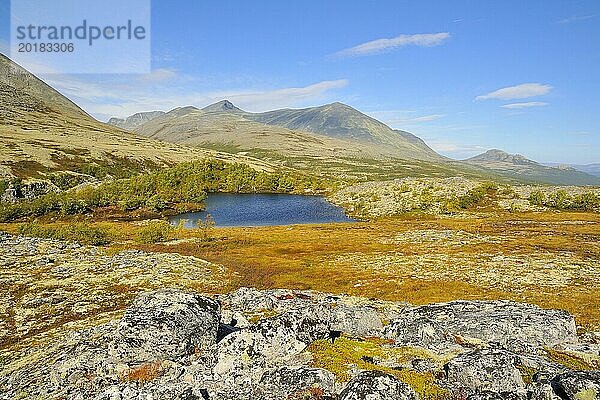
{"x": 264, "y": 209}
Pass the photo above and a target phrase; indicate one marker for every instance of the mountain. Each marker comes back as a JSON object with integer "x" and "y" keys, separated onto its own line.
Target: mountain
{"x": 336, "y": 125}
{"x": 338, "y": 140}
{"x": 222, "y": 106}
{"x": 334, "y": 139}
{"x": 519, "y": 166}
{"x": 341, "y": 121}
{"x": 501, "y": 157}
{"x": 43, "y": 131}
{"x": 592, "y": 169}
{"x": 135, "y": 120}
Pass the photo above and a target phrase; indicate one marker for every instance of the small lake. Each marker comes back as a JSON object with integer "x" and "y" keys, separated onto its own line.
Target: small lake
{"x": 263, "y": 210}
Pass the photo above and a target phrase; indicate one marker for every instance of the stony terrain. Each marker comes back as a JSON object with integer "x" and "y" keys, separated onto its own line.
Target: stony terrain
{"x": 48, "y": 287}
{"x": 285, "y": 344}
{"x": 399, "y": 196}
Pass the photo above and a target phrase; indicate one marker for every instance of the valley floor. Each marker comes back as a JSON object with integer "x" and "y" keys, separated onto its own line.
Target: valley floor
{"x": 546, "y": 258}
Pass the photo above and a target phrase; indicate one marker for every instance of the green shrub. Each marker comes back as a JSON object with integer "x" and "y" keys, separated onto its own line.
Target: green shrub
{"x": 559, "y": 200}
{"x": 206, "y": 227}
{"x": 537, "y": 198}
{"x": 83, "y": 233}
{"x": 587, "y": 201}
{"x": 158, "y": 190}
{"x": 154, "y": 232}
{"x": 66, "y": 181}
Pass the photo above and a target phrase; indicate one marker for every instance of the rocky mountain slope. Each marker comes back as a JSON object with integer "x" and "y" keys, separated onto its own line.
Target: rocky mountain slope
{"x": 516, "y": 164}
{"x": 135, "y": 120}
{"x": 41, "y": 131}
{"x": 342, "y": 121}
{"x": 335, "y": 126}
{"x": 335, "y": 139}
{"x": 291, "y": 345}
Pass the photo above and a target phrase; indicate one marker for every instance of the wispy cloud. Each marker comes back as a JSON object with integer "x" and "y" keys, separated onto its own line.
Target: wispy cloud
{"x": 425, "y": 118}
{"x": 404, "y": 118}
{"x": 165, "y": 91}
{"x": 576, "y": 18}
{"x": 522, "y": 91}
{"x": 524, "y": 105}
{"x": 159, "y": 75}
{"x": 387, "y": 44}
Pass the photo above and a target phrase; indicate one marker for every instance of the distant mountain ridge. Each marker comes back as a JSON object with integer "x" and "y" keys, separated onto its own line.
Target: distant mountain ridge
{"x": 592, "y": 169}
{"x": 342, "y": 123}
{"x": 501, "y": 161}
{"x": 135, "y": 120}
{"x": 496, "y": 155}
{"x": 335, "y": 137}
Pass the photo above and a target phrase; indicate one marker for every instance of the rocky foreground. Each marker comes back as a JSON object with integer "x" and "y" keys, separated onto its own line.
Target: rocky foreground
{"x": 284, "y": 344}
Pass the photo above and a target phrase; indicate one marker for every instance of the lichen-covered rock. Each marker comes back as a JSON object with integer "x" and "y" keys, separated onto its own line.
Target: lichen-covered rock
{"x": 485, "y": 370}
{"x": 284, "y": 382}
{"x": 451, "y": 326}
{"x": 542, "y": 391}
{"x": 488, "y": 395}
{"x": 167, "y": 324}
{"x": 577, "y": 385}
{"x": 377, "y": 385}
{"x": 169, "y": 344}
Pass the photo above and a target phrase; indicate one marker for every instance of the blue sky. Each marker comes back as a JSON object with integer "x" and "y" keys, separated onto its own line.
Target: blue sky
{"x": 466, "y": 76}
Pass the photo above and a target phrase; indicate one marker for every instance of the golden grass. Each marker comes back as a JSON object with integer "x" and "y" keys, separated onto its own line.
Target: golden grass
{"x": 548, "y": 259}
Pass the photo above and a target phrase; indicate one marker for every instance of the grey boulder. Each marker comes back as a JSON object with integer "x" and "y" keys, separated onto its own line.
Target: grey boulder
{"x": 377, "y": 385}
{"x": 452, "y": 326}
{"x": 167, "y": 324}
{"x": 484, "y": 370}
{"x": 577, "y": 385}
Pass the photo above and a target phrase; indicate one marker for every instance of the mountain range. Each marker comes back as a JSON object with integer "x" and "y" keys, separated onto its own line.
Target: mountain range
{"x": 42, "y": 131}
{"x": 335, "y": 138}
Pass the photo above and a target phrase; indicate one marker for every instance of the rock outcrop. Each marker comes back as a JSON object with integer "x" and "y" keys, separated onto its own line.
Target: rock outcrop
{"x": 281, "y": 345}
{"x": 457, "y": 324}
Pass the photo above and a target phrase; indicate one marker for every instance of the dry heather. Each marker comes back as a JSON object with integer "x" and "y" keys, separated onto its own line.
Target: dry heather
{"x": 547, "y": 258}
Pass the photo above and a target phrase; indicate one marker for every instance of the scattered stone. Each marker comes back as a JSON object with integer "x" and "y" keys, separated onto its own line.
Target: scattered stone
{"x": 377, "y": 385}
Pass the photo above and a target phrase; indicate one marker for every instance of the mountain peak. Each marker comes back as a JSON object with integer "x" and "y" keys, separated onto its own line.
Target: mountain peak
{"x": 222, "y": 106}
{"x": 497, "y": 155}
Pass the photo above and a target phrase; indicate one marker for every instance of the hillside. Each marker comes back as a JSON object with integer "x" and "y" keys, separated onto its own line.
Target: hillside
{"x": 370, "y": 150}
{"x": 519, "y": 166}
{"x": 135, "y": 120}
{"x": 41, "y": 131}
{"x": 342, "y": 121}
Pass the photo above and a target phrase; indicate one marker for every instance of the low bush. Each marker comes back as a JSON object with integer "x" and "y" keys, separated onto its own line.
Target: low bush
{"x": 82, "y": 232}
{"x": 154, "y": 232}
{"x": 561, "y": 200}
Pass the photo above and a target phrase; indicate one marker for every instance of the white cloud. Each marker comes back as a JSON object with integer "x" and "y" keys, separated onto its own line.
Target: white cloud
{"x": 524, "y": 105}
{"x": 383, "y": 45}
{"x": 425, "y": 118}
{"x": 576, "y": 18}
{"x": 522, "y": 91}
{"x": 403, "y": 118}
{"x": 158, "y": 75}
{"x": 120, "y": 97}
{"x": 455, "y": 150}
